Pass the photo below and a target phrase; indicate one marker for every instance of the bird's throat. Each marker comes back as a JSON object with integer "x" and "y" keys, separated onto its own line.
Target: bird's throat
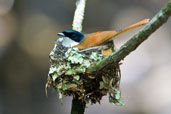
{"x": 67, "y": 42}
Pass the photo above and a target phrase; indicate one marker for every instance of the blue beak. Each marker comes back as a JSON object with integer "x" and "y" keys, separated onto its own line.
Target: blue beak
{"x": 61, "y": 34}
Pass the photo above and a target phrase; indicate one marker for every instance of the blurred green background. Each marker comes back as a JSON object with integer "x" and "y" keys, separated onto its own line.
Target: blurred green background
{"x": 27, "y": 33}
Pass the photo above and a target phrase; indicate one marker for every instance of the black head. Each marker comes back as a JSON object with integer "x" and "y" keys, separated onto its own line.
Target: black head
{"x": 73, "y": 35}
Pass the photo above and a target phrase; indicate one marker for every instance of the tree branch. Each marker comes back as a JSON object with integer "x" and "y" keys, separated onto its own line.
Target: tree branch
{"x": 78, "y": 106}
{"x": 160, "y": 18}
{"x": 79, "y": 15}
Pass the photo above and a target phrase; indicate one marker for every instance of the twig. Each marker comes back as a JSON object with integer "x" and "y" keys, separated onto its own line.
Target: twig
{"x": 160, "y": 18}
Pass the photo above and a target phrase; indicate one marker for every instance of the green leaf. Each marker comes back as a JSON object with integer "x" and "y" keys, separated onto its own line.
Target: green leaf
{"x": 69, "y": 86}
{"x": 101, "y": 85}
{"x": 80, "y": 69}
{"x": 77, "y": 77}
{"x": 70, "y": 72}
{"x": 105, "y": 79}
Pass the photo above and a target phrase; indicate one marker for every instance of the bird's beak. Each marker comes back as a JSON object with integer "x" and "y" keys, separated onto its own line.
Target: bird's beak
{"x": 61, "y": 34}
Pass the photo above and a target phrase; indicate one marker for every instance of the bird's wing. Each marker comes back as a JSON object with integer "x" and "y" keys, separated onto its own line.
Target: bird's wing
{"x": 97, "y": 38}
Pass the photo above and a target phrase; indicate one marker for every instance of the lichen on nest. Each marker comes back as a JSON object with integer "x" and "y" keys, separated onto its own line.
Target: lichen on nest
{"x": 67, "y": 75}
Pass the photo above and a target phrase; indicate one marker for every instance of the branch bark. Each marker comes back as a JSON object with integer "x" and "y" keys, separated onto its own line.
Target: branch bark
{"x": 79, "y": 15}
{"x": 158, "y": 20}
{"x": 78, "y": 106}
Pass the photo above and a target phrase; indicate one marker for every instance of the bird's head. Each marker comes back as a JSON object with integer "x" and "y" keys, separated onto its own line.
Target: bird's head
{"x": 73, "y": 35}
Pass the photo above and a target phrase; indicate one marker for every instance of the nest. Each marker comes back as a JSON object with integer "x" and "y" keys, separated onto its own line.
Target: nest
{"x": 68, "y": 76}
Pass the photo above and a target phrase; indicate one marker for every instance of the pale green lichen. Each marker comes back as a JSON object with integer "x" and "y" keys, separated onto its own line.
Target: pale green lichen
{"x": 74, "y": 64}
{"x": 68, "y": 76}
{"x": 117, "y": 95}
{"x": 52, "y": 70}
{"x": 77, "y": 59}
{"x": 116, "y": 99}
{"x": 74, "y": 57}
{"x": 95, "y": 56}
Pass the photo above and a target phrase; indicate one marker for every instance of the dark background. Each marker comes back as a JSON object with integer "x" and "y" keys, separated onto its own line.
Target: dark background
{"x": 27, "y": 33}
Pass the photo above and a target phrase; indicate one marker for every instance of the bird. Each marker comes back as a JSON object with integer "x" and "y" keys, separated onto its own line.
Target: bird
{"x": 83, "y": 41}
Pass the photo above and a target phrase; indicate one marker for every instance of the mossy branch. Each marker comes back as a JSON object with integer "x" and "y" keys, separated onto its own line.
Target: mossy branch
{"x": 158, "y": 20}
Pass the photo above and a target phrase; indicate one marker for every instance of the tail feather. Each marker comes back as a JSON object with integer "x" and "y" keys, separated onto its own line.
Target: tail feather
{"x": 133, "y": 26}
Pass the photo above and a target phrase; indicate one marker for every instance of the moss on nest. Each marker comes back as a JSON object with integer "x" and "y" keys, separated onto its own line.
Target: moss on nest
{"x": 67, "y": 75}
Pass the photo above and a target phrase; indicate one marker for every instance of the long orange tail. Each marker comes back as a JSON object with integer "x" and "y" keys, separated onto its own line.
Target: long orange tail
{"x": 133, "y": 26}
{"x": 107, "y": 52}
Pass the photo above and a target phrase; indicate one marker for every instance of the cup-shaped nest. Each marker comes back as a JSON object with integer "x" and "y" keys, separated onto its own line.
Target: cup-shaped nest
{"x": 68, "y": 75}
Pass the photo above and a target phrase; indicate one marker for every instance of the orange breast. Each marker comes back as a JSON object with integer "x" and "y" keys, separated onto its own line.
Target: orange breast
{"x": 95, "y": 39}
